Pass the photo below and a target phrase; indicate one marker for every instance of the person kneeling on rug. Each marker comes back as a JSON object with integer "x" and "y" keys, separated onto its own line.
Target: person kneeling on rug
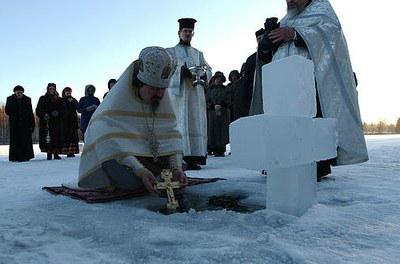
{"x": 133, "y": 135}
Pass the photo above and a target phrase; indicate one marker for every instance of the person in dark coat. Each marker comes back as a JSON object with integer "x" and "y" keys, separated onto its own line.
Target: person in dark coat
{"x": 49, "y": 111}
{"x": 70, "y": 124}
{"x": 218, "y": 103}
{"x": 232, "y": 86}
{"x": 87, "y": 105}
{"x": 110, "y": 84}
{"x": 22, "y": 125}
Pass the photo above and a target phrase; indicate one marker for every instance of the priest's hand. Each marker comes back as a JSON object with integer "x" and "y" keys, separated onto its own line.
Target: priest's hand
{"x": 281, "y": 34}
{"x": 179, "y": 175}
{"x": 148, "y": 179}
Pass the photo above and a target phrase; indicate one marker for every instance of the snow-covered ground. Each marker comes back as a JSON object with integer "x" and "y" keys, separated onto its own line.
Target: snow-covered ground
{"x": 356, "y": 220}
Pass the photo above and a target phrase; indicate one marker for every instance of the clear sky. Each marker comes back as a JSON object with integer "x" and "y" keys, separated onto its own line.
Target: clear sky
{"x": 77, "y": 42}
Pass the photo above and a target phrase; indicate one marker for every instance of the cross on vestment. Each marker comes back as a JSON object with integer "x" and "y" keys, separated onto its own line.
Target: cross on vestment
{"x": 153, "y": 144}
{"x": 168, "y": 185}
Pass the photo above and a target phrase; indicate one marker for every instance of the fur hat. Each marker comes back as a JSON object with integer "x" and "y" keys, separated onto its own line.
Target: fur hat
{"x": 19, "y": 88}
{"x": 51, "y": 85}
{"x": 219, "y": 74}
{"x": 156, "y": 67}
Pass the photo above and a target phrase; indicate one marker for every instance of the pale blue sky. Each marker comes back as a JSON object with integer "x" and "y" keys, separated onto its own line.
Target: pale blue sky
{"x": 77, "y": 42}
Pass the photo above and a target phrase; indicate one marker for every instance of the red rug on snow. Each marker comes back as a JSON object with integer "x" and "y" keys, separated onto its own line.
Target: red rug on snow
{"x": 103, "y": 195}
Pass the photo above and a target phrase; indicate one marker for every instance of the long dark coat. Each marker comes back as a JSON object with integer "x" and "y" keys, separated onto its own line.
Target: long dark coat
{"x": 53, "y": 127}
{"x": 218, "y": 123}
{"x": 84, "y": 102}
{"x": 70, "y": 126}
{"x": 22, "y": 124}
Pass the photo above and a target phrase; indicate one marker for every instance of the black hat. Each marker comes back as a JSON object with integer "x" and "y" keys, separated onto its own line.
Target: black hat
{"x": 51, "y": 85}
{"x": 221, "y": 75}
{"x": 110, "y": 82}
{"x": 186, "y": 23}
{"x": 260, "y": 32}
{"x": 18, "y": 88}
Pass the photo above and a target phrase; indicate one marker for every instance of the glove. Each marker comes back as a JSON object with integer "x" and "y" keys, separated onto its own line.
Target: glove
{"x": 46, "y": 117}
{"x": 91, "y": 108}
{"x": 185, "y": 72}
{"x": 54, "y": 113}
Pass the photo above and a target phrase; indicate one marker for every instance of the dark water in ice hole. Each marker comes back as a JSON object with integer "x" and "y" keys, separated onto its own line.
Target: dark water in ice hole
{"x": 230, "y": 202}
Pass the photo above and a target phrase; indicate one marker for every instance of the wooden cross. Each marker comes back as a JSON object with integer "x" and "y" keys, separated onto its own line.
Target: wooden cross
{"x": 168, "y": 185}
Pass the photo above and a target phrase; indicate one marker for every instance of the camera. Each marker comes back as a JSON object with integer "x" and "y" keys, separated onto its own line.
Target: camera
{"x": 266, "y": 48}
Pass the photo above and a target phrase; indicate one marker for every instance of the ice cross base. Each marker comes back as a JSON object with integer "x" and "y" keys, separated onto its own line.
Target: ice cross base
{"x": 286, "y": 141}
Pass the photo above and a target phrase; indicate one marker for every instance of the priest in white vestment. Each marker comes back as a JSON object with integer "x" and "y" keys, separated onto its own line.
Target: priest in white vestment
{"x": 133, "y": 134}
{"x": 311, "y": 29}
{"x": 188, "y": 99}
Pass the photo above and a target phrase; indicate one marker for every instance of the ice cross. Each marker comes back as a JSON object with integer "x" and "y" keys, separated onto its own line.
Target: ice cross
{"x": 168, "y": 185}
{"x": 286, "y": 140}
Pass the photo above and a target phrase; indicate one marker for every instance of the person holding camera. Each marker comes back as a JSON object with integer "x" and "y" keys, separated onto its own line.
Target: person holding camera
{"x": 311, "y": 29}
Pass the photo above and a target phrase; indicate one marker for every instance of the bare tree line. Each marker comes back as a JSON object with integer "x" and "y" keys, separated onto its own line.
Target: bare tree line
{"x": 369, "y": 128}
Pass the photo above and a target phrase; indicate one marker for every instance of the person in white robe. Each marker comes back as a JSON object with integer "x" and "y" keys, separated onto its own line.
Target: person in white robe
{"x": 133, "y": 134}
{"x": 189, "y": 99}
{"x": 312, "y": 29}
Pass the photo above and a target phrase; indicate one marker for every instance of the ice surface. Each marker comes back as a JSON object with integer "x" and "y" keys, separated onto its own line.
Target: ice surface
{"x": 289, "y": 87}
{"x": 266, "y": 141}
{"x": 356, "y": 218}
{"x": 292, "y": 190}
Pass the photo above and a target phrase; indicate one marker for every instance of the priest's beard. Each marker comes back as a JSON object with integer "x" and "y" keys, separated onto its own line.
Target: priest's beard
{"x": 294, "y": 11}
{"x": 155, "y": 103}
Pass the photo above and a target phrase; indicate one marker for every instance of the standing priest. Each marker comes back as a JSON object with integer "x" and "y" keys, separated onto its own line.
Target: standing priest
{"x": 311, "y": 29}
{"x": 189, "y": 100}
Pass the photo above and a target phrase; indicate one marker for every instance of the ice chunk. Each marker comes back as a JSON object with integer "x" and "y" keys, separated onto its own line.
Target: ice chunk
{"x": 292, "y": 190}
{"x": 289, "y": 87}
{"x": 266, "y": 141}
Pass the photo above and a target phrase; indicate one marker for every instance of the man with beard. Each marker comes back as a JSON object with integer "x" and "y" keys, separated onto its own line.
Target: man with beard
{"x": 50, "y": 125}
{"x": 22, "y": 125}
{"x": 311, "y": 29}
{"x": 70, "y": 123}
{"x": 189, "y": 100}
{"x": 86, "y": 106}
{"x": 133, "y": 134}
{"x": 218, "y": 103}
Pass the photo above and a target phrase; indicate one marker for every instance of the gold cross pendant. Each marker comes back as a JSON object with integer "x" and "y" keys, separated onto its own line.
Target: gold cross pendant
{"x": 168, "y": 185}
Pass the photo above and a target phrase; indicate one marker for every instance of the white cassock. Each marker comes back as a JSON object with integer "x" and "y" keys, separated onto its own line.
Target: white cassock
{"x": 189, "y": 103}
{"x": 320, "y": 28}
{"x": 119, "y": 130}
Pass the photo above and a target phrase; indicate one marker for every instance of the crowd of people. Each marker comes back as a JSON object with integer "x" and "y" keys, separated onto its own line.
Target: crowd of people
{"x": 144, "y": 127}
{"x": 59, "y": 127}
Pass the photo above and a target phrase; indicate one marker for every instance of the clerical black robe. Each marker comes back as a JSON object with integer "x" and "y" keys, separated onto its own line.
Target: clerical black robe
{"x": 22, "y": 124}
{"x": 53, "y": 127}
{"x": 218, "y": 120}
